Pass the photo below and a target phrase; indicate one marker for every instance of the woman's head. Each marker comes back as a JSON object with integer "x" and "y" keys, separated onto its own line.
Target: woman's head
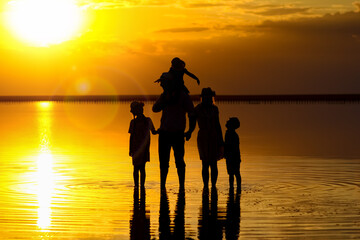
{"x": 207, "y": 95}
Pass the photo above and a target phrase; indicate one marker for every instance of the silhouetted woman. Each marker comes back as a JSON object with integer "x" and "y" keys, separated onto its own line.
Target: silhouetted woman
{"x": 209, "y": 141}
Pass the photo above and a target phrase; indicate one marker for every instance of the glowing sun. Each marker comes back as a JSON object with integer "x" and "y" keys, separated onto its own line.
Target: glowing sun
{"x": 44, "y": 22}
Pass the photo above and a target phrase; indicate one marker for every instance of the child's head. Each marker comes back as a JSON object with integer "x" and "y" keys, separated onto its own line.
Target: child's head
{"x": 207, "y": 95}
{"x": 137, "y": 108}
{"x": 177, "y": 63}
{"x": 233, "y": 123}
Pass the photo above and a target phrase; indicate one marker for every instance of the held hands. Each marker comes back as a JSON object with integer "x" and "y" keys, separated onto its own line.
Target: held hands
{"x": 198, "y": 81}
{"x": 155, "y": 132}
{"x": 187, "y": 135}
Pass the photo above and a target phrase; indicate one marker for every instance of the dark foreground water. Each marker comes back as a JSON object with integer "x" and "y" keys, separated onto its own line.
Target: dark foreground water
{"x": 65, "y": 174}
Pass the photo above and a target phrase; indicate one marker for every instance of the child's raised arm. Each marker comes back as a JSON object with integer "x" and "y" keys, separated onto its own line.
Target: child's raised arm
{"x": 192, "y": 76}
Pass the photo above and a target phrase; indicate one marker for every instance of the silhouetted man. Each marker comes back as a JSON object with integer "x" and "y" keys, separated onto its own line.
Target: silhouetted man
{"x": 171, "y": 133}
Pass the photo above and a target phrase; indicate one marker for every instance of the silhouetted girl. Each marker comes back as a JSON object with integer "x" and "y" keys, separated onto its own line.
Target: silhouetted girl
{"x": 174, "y": 79}
{"x": 232, "y": 151}
{"x": 210, "y": 141}
{"x": 139, "y": 130}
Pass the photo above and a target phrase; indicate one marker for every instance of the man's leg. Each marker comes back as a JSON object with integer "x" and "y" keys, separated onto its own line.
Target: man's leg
{"x": 136, "y": 176}
{"x": 164, "y": 157}
{"x": 179, "y": 151}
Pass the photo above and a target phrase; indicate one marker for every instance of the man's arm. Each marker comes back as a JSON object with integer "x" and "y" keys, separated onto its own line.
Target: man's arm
{"x": 192, "y": 125}
{"x": 192, "y": 117}
{"x": 160, "y": 104}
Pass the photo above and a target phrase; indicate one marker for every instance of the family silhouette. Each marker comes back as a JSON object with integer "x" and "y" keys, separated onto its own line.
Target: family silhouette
{"x": 176, "y": 106}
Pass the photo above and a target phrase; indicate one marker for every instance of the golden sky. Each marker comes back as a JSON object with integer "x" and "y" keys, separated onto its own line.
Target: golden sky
{"x": 235, "y": 47}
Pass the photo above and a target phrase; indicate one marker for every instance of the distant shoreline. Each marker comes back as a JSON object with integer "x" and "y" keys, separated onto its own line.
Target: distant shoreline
{"x": 253, "y": 99}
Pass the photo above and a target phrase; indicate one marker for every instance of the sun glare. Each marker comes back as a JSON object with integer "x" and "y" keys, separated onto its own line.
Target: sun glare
{"x": 44, "y": 22}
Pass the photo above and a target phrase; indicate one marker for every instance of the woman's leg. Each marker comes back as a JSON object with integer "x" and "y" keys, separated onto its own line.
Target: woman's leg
{"x": 231, "y": 180}
{"x": 205, "y": 173}
{"x": 238, "y": 179}
{"x": 214, "y": 173}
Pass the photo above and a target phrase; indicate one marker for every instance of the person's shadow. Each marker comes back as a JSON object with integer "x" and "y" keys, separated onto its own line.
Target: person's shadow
{"x": 210, "y": 227}
{"x": 233, "y": 215}
{"x": 140, "y": 220}
{"x": 177, "y": 230}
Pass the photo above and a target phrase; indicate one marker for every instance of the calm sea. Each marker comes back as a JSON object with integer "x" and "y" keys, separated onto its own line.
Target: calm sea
{"x": 65, "y": 173}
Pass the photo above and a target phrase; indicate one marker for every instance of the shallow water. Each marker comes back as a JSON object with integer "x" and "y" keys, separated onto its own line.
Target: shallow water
{"x": 66, "y": 174}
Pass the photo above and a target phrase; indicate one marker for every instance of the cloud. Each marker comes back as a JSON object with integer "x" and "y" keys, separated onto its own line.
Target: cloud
{"x": 357, "y": 5}
{"x": 114, "y": 4}
{"x": 252, "y": 6}
{"x": 282, "y": 11}
{"x": 204, "y": 5}
{"x": 184, "y": 30}
{"x": 307, "y": 55}
{"x": 340, "y": 24}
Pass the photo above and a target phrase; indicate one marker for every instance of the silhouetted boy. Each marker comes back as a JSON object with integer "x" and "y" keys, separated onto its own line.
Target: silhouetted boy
{"x": 232, "y": 151}
{"x": 174, "y": 79}
{"x": 139, "y": 130}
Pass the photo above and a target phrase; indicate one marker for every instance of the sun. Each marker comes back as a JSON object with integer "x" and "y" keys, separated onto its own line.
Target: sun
{"x": 44, "y": 22}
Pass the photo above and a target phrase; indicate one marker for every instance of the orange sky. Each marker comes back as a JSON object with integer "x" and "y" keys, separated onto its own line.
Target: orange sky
{"x": 235, "y": 47}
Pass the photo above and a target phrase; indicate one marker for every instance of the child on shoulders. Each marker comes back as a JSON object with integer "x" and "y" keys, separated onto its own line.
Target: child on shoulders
{"x": 173, "y": 80}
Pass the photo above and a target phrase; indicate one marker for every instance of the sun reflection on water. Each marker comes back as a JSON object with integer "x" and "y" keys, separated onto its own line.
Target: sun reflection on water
{"x": 44, "y": 173}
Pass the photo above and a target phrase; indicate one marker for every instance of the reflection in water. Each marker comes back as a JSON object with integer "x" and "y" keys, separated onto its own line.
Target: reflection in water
{"x": 210, "y": 226}
{"x": 44, "y": 173}
{"x": 140, "y": 221}
{"x": 177, "y": 230}
{"x": 233, "y": 213}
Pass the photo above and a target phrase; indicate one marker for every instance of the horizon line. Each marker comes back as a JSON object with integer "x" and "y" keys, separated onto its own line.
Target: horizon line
{"x": 250, "y": 98}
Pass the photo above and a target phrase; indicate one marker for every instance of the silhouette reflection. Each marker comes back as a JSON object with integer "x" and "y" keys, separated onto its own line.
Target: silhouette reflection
{"x": 210, "y": 227}
{"x": 233, "y": 214}
{"x": 140, "y": 221}
{"x": 177, "y": 230}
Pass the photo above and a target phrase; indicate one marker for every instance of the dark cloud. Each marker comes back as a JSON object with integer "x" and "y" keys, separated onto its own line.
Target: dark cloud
{"x": 314, "y": 55}
{"x": 331, "y": 24}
